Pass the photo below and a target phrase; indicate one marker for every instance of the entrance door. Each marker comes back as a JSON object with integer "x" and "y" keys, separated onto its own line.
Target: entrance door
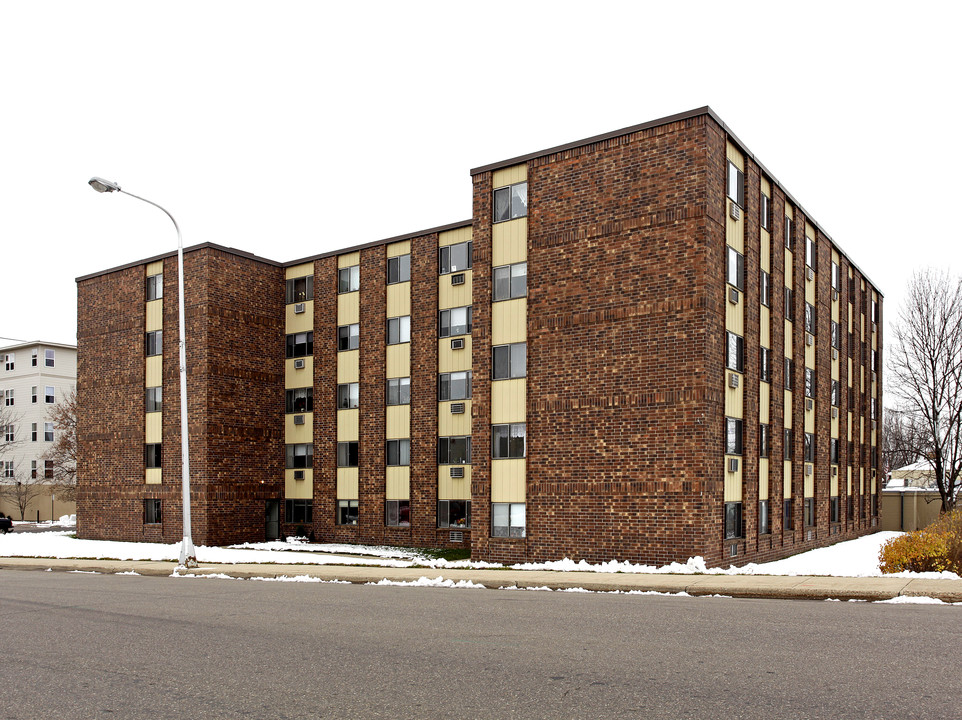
{"x": 272, "y": 527}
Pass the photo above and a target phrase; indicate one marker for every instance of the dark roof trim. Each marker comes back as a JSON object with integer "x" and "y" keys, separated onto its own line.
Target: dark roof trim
{"x": 172, "y": 253}
{"x": 44, "y": 343}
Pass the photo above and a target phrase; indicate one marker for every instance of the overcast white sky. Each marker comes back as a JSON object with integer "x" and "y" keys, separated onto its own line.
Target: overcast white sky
{"x": 291, "y": 128}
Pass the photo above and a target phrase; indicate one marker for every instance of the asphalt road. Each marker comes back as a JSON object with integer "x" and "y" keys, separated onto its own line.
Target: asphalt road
{"x": 96, "y": 646}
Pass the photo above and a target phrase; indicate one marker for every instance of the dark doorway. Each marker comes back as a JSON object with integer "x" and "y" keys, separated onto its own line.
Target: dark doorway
{"x": 272, "y": 527}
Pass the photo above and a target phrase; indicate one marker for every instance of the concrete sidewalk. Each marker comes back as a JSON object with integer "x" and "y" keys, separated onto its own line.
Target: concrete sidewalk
{"x": 740, "y": 586}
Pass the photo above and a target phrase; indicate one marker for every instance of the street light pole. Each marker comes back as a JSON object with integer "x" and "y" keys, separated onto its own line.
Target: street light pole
{"x": 188, "y": 556}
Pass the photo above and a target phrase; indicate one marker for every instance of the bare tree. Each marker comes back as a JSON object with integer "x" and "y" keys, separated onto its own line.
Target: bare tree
{"x": 8, "y": 419}
{"x": 63, "y": 452}
{"x": 926, "y": 372}
{"x": 21, "y": 490}
{"x": 900, "y": 440}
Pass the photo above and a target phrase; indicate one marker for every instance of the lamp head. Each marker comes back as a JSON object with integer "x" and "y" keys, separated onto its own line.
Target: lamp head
{"x": 101, "y": 185}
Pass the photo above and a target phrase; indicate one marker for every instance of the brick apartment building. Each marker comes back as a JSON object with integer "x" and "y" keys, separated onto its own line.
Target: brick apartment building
{"x": 640, "y": 347}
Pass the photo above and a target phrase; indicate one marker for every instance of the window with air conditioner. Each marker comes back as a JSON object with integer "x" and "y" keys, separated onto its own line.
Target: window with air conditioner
{"x": 300, "y": 289}
{"x": 454, "y": 513}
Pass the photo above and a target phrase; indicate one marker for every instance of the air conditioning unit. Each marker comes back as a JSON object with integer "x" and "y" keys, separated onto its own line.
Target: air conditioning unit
{"x": 457, "y": 472}
{"x": 457, "y": 279}
{"x": 834, "y": 354}
{"x": 809, "y": 404}
{"x": 456, "y": 536}
{"x": 834, "y": 412}
{"x": 298, "y": 474}
{"x": 808, "y": 469}
{"x": 457, "y": 344}
{"x": 299, "y": 308}
{"x": 809, "y": 273}
{"x": 732, "y": 465}
{"x": 874, "y": 327}
{"x": 809, "y": 339}
{"x": 834, "y": 469}
{"x": 732, "y": 380}
{"x": 457, "y": 408}
{"x": 834, "y": 294}
{"x": 874, "y": 377}
{"x": 298, "y": 419}
{"x": 734, "y": 211}
{"x": 733, "y": 296}
{"x": 299, "y": 364}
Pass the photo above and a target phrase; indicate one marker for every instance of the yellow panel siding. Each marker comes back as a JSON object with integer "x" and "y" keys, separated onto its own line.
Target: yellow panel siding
{"x": 509, "y": 321}
{"x": 733, "y": 480}
{"x": 454, "y": 425}
{"x": 833, "y": 486}
{"x": 735, "y": 229}
{"x": 294, "y": 378}
{"x": 347, "y": 425}
{"x": 348, "y": 367}
{"x": 348, "y": 308}
{"x": 848, "y": 481}
{"x": 398, "y": 300}
{"x": 509, "y": 242}
{"x": 453, "y": 237}
{"x": 809, "y": 484}
{"x": 766, "y": 186}
{"x": 849, "y": 438}
{"x": 734, "y": 397}
{"x": 810, "y": 417}
{"x": 154, "y": 371}
{"x": 766, "y": 254}
{"x": 763, "y": 480}
{"x": 454, "y": 488}
{"x": 393, "y": 250}
{"x": 787, "y": 409}
{"x": 348, "y": 260}
{"x": 765, "y": 327}
{"x": 454, "y": 360}
{"x": 154, "y": 268}
{"x": 734, "y": 316}
{"x": 452, "y": 296}
{"x": 298, "y": 433}
{"x": 789, "y": 211}
{"x": 810, "y": 355}
{"x": 507, "y": 480}
{"x": 834, "y": 430}
{"x": 347, "y": 484}
{"x": 153, "y": 427}
{"x": 398, "y": 361}
{"x": 509, "y": 176}
{"x": 764, "y": 399}
{"x": 299, "y": 271}
{"x": 861, "y": 481}
{"x": 509, "y": 401}
{"x": 809, "y": 290}
{"x": 787, "y": 339}
{"x": 789, "y": 269}
{"x": 397, "y": 483}
{"x": 154, "y": 315}
{"x": 295, "y": 322}
{"x": 786, "y": 480}
{"x": 398, "y": 421}
{"x": 153, "y": 476}
{"x": 298, "y": 489}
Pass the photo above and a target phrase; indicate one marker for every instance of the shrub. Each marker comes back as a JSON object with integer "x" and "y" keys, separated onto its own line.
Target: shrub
{"x": 932, "y": 549}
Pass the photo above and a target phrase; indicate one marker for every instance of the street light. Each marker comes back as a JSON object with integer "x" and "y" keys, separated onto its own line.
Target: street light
{"x": 188, "y": 556}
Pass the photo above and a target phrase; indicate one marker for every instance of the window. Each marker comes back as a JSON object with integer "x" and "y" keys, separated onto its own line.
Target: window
{"x": 507, "y": 520}
{"x": 8, "y": 398}
{"x": 733, "y": 520}
{"x": 154, "y": 399}
{"x": 454, "y": 258}
{"x": 399, "y": 391}
{"x": 48, "y": 432}
{"x": 789, "y": 374}
{"x": 789, "y": 305}
{"x": 809, "y": 318}
{"x": 8, "y": 469}
{"x": 8, "y": 433}
{"x": 764, "y": 521}
{"x": 508, "y": 441}
{"x": 48, "y": 394}
{"x": 809, "y": 512}
{"x": 809, "y": 447}
{"x": 511, "y": 202}
{"x": 811, "y": 256}
{"x": 833, "y": 451}
{"x": 454, "y": 513}
{"x": 9, "y": 361}
{"x": 299, "y": 400}
{"x": 48, "y": 469}
{"x": 809, "y": 383}
{"x": 152, "y": 512}
{"x": 154, "y": 343}
{"x": 836, "y": 276}
{"x": 397, "y": 513}
{"x": 509, "y": 361}
{"x": 733, "y": 436}
{"x": 300, "y": 344}
{"x": 49, "y": 357}
{"x": 155, "y": 287}
{"x": 789, "y": 445}
{"x": 33, "y": 357}
{"x": 454, "y": 386}
{"x": 788, "y": 520}
{"x": 836, "y": 392}
{"x": 454, "y": 450}
{"x": 348, "y": 337}
{"x": 33, "y": 432}
{"x": 152, "y": 455}
{"x": 836, "y": 335}
{"x": 33, "y": 469}
{"x": 347, "y": 454}
{"x": 298, "y": 511}
{"x": 399, "y": 270}
{"x": 736, "y": 269}
{"x": 834, "y": 513}
{"x": 347, "y": 512}
{"x": 736, "y": 184}
{"x": 33, "y": 395}
{"x": 456, "y": 321}
{"x": 789, "y": 240}
{"x": 765, "y": 364}
{"x": 349, "y": 279}
{"x": 764, "y": 440}
{"x": 300, "y": 289}
{"x": 871, "y": 406}
{"x": 875, "y": 311}
{"x": 399, "y": 452}
{"x": 510, "y": 281}
{"x": 348, "y": 396}
{"x": 765, "y": 289}
{"x": 735, "y": 357}
{"x": 766, "y": 212}
{"x": 399, "y": 330}
{"x": 299, "y": 455}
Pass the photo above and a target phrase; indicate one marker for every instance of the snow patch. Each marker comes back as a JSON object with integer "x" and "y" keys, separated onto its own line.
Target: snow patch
{"x": 429, "y": 582}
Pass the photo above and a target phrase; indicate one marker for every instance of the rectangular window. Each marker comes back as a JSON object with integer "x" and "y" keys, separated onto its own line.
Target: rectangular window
{"x": 508, "y": 441}
{"x": 9, "y": 361}
{"x": 8, "y": 471}
{"x": 875, "y": 311}
{"x": 49, "y": 357}
{"x": 809, "y": 512}
{"x": 733, "y": 520}
{"x": 33, "y": 395}
{"x": 454, "y": 450}
{"x": 763, "y": 440}
{"x": 33, "y": 469}
{"x": 733, "y": 436}
{"x": 871, "y": 406}
{"x": 809, "y": 447}
{"x": 507, "y": 520}
{"x": 397, "y": 513}
{"x": 454, "y": 386}
{"x": 836, "y": 392}
{"x": 454, "y": 258}
{"x": 299, "y": 400}
{"x": 9, "y": 400}
{"x": 33, "y": 432}
{"x": 152, "y": 512}
{"x": 765, "y": 289}
{"x": 48, "y": 469}
{"x": 33, "y": 357}
{"x": 299, "y": 456}
{"x": 809, "y": 383}
{"x": 300, "y": 289}
{"x": 789, "y": 234}
{"x": 789, "y": 445}
{"x": 153, "y": 455}
{"x": 834, "y": 510}
{"x": 399, "y": 391}
{"x": 348, "y": 396}
{"x": 454, "y": 513}
{"x": 300, "y": 345}
{"x": 811, "y": 256}
{"x": 836, "y": 335}
{"x": 789, "y": 374}
{"x": 836, "y": 276}
{"x": 456, "y": 321}
{"x": 736, "y": 269}
{"x": 347, "y": 454}
{"x": 765, "y": 364}
{"x": 399, "y": 330}
{"x": 735, "y": 357}
{"x": 154, "y": 343}
{"x": 347, "y": 512}
{"x": 298, "y": 511}
{"x": 789, "y": 305}
{"x": 764, "y": 521}
{"x": 809, "y": 318}
{"x": 154, "y": 397}
{"x": 348, "y": 337}
{"x": 511, "y": 202}
{"x": 399, "y": 270}
{"x": 155, "y": 287}
{"x": 788, "y": 518}
{"x": 8, "y": 433}
{"x": 510, "y": 281}
{"x": 349, "y": 279}
{"x": 766, "y": 212}
{"x": 833, "y": 451}
{"x": 48, "y": 432}
{"x": 736, "y": 184}
{"x": 399, "y": 452}
{"x": 509, "y": 361}
{"x": 48, "y": 394}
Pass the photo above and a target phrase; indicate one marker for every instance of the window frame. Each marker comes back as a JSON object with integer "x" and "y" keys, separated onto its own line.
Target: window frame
{"x": 505, "y": 441}
{"x": 516, "y": 520}
{"x": 293, "y": 294}
{"x": 153, "y": 511}
{"x": 298, "y": 511}
{"x": 400, "y": 393}
{"x": 446, "y": 328}
{"x": 734, "y": 352}
{"x": 348, "y": 454}
{"x": 734, "y": 521}
{"x": 153, "y": 455}
{"x": 510, "y": 209}
{"x": 511, "y": 358}
{"x": 348, "y": 279}
{"x": 734, "y": 436}
{"x": 764, "y": 364}
{"x": 735, "y": 269}
{"x": 401, "y": 452}
{"x": 397, "y": 513}
{"x": 343, "y": 514}
{"x": 49, "y": 357}
{"x": 153, "y": 343}
{"x": 764, "y": 440}
{"x": 735, "y": 183}
{"x": 398, "y": 330}
{"x": 449, "y": 442}
{"x": 513, "y": 292}
{"x": 299, "y": 345}
{"x": 765, "y": 289}
{"x": 154, "y": 287}
{"x": 449, "y": 384}
{"x": 153, "y": 399}
{"x": 348, "y": 396}
{"x": 399, "y": 269}
{"x": 446, "y": 514}
{"x": 445, "y": 267}
{"x": 48, "y": 432}
{"x": 765, "y": 212}
{"x": 348, "y": 337}
{"x": 49, "y": 395}
{"x": 299, "y": 456}
{"x": 302, "y": 395}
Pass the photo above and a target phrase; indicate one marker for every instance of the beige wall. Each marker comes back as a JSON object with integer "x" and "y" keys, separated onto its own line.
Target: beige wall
{"x": 908, "y": 511}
